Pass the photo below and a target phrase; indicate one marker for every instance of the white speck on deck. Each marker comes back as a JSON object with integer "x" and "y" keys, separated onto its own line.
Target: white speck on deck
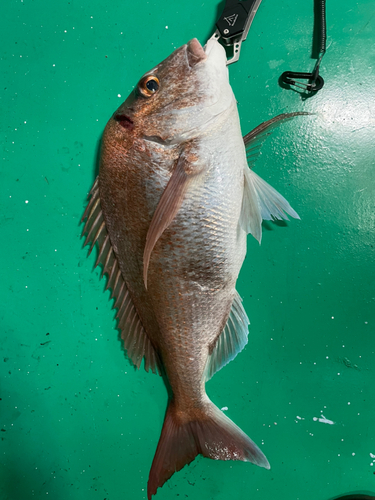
{"x": 323, "y": 420}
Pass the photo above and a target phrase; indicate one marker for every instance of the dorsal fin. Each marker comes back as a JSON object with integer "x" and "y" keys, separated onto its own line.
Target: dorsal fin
{"x": 232, "y": 339}
{"x": 136, "y": 341}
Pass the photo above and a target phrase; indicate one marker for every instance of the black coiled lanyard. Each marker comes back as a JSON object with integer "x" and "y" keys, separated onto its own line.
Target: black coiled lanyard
{"x": 314, "y": 81}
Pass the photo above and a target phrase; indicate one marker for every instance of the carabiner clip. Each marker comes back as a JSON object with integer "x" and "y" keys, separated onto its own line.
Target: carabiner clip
{"x": 315, "y": 81}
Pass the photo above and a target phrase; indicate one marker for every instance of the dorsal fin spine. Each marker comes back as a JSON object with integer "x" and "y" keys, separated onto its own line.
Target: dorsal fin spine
{"x": 101, "y": 227}
{"x": 123, "y": 304}
{"x": 134, "y": 343}
{"x": 119, "y": 296}
{"x": 116, "y": 283}
{"x": 111, "y": 275}
{"x": 153, "y": 363}
{"x": 101, "y": 251}
{"x": 125, "y": 312}
{"x": 147, "y": 357}
{"x": 89, "y": 205}
{"x": 109, "y": 255}
{"x": 94, "y": 186}
{"x": 89, "y": 217}
{"x": 142, "y": 350}
{"x": 92, "y": 228}
{"x": 132, "y": 321}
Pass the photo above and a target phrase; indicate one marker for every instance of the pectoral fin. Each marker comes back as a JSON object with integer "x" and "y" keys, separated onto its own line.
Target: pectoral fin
{"x": 261, "y": 202}
{"x": 169, "y": 204}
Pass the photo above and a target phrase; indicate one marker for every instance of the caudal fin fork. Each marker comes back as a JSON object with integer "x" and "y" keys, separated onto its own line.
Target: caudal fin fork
{"x": 207, "y": 432}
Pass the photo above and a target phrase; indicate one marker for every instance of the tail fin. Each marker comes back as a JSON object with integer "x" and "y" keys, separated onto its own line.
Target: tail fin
{"x": 207, "y": 432}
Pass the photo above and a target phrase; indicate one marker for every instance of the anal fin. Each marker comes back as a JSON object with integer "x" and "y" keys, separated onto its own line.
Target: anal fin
{"x": 136, "y": 341}
{"x": 232, "y": 339}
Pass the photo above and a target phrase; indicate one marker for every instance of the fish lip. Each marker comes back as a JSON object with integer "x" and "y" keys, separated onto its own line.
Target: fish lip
{"x": 125, "y": 121}
{"x": 207, "y": 49}
{"x": 209, "y": 46}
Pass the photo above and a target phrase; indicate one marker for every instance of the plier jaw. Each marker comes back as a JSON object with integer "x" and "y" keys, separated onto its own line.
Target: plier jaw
{"x": 234, "y": 23}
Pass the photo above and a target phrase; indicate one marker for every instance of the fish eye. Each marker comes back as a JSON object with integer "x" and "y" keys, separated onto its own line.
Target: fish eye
{"x": 149, "y": 85}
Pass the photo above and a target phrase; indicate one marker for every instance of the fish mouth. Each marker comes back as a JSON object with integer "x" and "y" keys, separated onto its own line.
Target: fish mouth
{"x": 208, "y": 47}
{"x": 195, "y": 52}
{"x": 123, "y": 120}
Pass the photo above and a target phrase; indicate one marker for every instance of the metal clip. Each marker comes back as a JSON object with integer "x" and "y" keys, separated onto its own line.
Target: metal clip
{"x": 234, "y": 24}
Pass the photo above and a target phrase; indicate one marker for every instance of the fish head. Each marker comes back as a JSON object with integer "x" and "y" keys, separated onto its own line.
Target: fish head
{"x": 180, "y": 98}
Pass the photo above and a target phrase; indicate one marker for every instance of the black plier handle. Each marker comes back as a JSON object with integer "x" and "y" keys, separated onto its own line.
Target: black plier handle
{"x": 234, "y": 23}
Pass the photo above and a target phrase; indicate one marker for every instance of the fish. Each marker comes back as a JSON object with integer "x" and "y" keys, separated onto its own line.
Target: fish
{"x": 169, "y": 213}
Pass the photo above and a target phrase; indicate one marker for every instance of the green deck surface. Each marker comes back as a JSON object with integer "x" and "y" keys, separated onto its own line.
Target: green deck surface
{"x": 76, "y": 420}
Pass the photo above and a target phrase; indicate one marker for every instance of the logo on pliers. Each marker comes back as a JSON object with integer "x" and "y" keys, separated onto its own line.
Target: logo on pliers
{"x": 231, "y": 20}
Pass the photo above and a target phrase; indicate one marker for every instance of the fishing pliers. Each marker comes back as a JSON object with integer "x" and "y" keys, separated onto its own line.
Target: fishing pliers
{"x": 234, "y": 23}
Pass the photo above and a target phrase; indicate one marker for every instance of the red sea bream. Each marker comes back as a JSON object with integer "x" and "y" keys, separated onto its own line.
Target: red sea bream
{"x": 170, "y": 211}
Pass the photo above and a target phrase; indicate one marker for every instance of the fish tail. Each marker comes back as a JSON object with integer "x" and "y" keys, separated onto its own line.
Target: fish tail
{"x": 206, "y": 431}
